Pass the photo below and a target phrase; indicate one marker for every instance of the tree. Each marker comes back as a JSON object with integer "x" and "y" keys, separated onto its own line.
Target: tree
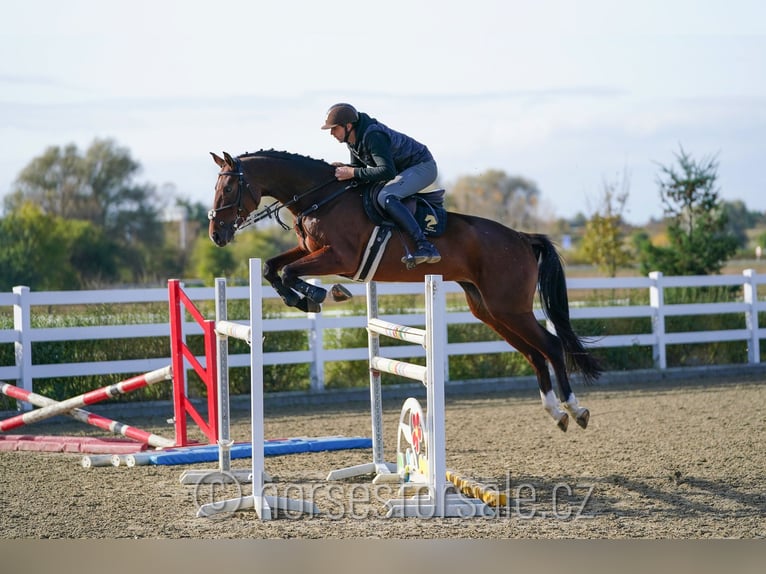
{"x": 498, "y": 196}
{"x": 211, "y": 261}
{"x": 739, "y": 220}
{"x": 603, "y": 243}
{"x": 699, "y": 243}
{"x": 45, "y": 251}
{"x": 96, "y": 187}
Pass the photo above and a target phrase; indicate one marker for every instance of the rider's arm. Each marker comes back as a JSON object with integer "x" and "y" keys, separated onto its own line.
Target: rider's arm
{"x": 383, "y": 168}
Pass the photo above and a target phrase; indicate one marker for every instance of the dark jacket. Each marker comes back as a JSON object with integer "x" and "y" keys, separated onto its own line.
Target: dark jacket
{"x": 381, "y": 153}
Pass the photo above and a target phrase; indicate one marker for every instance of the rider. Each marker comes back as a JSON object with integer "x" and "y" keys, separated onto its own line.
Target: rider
{"x": 379, "y": 153}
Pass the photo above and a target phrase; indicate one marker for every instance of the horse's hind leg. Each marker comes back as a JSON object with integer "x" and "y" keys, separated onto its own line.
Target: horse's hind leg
{"x": 569, "y": 401}
{"x": 535, "y": 358}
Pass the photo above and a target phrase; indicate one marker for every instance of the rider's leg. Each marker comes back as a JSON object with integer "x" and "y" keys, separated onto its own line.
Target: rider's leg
{"x": 407, "y": 183}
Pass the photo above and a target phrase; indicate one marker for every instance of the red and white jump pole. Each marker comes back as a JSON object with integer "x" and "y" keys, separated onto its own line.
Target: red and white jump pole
{"x": 87, "y": 417}
{"x": 88, "y": 398}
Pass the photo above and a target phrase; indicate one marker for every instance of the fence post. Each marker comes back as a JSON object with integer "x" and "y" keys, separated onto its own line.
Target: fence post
{"x": 316, "y": 346}
{"x": 657, "y": 302}
{"x": 750, "y": 293}
{"x": 22, "y": 324}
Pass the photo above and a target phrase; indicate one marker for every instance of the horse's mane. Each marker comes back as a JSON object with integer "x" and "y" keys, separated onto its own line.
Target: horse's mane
{"x": 273, "y": 153}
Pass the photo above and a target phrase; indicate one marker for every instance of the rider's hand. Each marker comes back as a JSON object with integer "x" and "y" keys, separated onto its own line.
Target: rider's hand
{"x": 344, "y": 172}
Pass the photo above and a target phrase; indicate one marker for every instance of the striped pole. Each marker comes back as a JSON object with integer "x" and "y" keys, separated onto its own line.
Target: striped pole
{"x": 87, "y": 417}
{"x": 88, "y": 398}
{"x": 474, "y": 489}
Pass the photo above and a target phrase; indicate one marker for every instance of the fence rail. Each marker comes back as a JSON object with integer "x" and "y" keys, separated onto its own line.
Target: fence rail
{"x": 23, "y": 304}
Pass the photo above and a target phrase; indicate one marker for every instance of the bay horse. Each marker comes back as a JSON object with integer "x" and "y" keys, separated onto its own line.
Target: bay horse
{"x": 498, "y": 268}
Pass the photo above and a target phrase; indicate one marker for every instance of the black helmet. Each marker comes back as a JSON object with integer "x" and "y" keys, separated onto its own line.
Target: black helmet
{"x": 340, "y": 114}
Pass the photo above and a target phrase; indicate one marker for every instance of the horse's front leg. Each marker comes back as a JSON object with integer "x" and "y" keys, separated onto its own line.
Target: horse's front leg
{"x": 319, "y": 263}
{"x": 311, "y": 292}
{"x": 271, "y": 273}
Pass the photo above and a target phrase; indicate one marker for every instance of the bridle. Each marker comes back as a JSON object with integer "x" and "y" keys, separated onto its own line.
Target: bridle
{"x": 271, "y": 210}
{"x": 239, "y": 221}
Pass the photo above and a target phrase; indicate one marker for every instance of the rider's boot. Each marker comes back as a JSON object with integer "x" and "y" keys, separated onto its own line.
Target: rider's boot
{"x": 425, "y": 252}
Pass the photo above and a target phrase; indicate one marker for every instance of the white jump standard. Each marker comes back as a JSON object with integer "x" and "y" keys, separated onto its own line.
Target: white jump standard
{"x": 429, "y": 475}
{"x": 223, "y": 329}
{"x": 261, "y": 503}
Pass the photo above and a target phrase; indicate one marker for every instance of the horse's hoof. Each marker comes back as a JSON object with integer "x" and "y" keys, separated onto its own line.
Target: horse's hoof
{"x": 583, "y": 418}
{"x": 563, "y": 422}
{"x": 340, "y": 293}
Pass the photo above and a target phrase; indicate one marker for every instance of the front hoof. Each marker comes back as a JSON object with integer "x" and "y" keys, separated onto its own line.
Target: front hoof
{"x": 340, "y": 293}
{"x": 583, "y": 418}
{"x": 563, "y": 422}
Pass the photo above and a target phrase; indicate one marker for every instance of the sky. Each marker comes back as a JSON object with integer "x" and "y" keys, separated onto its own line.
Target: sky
{"x": 573, "y": 95}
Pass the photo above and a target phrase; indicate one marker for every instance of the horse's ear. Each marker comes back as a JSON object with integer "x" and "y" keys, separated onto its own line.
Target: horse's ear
{"x": 218, "y": 160}
{"x": 229, "y": 159}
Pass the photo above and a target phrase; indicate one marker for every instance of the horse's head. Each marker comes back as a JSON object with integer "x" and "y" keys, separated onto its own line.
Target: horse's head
{"x": 234, "y": 200}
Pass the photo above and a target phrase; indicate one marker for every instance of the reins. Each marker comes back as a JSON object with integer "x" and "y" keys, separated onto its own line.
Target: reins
{"x": 273, "y": 209}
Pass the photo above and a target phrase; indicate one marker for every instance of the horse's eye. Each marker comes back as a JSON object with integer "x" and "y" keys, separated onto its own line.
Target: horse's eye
{"x": 227, "y": 189}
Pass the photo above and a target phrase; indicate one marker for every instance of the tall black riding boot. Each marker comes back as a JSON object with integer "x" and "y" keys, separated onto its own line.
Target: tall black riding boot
{"x": 425, "y": 252}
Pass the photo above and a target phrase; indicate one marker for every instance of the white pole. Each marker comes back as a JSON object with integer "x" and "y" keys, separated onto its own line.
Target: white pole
{"x": 222, "y": 367}
{"x": 256, "y": 389}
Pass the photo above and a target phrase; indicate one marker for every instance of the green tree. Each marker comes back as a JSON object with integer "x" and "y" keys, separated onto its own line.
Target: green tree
{"x": 603, "y": 243}
{"x": 739, "y": 220}
{"x": 699, "y": 243}
{"x": 97, "y": 187}
{"x": 46, "y": 252}
{"x": 511, "y": 200}
{"x": 210, "y": 261}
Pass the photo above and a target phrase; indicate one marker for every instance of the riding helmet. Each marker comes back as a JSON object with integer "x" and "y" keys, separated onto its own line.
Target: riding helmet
{"x": 340, "y": 114}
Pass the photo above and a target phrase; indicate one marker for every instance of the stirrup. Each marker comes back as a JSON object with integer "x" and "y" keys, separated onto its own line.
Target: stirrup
{"x": 423, "y": 254}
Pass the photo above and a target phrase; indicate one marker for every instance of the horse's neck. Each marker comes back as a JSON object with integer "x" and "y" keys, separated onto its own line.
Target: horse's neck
{"x": 282, "y": 179}
{"x": 296, "y": 183}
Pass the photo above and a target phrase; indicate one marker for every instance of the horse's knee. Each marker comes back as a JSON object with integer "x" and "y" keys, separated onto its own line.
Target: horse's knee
{"x": 270, "y": 273}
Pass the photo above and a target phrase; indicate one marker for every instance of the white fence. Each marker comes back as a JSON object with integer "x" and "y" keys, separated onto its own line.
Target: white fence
{"x": 23, "y": 303}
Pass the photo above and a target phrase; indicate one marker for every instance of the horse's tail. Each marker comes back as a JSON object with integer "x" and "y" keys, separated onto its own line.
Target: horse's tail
{"x": 551, "y": 283}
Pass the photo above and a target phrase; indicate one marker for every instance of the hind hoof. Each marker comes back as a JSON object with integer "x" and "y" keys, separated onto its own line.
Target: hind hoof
{"x": 583, "y": 418}
{"x": 563, "y": 422}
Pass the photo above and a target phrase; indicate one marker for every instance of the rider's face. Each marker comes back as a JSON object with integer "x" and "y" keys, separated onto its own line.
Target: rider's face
{"x": 339, "y": 132}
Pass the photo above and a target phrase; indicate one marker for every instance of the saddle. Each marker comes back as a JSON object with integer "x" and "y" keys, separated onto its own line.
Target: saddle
{"x": 427, "y": 207}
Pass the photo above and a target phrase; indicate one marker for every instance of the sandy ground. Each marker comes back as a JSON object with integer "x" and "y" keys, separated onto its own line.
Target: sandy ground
{"x": 680, "y": 461}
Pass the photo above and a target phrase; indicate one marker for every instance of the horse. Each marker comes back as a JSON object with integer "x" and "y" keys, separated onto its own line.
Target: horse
{"x": 499, "y": 269}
